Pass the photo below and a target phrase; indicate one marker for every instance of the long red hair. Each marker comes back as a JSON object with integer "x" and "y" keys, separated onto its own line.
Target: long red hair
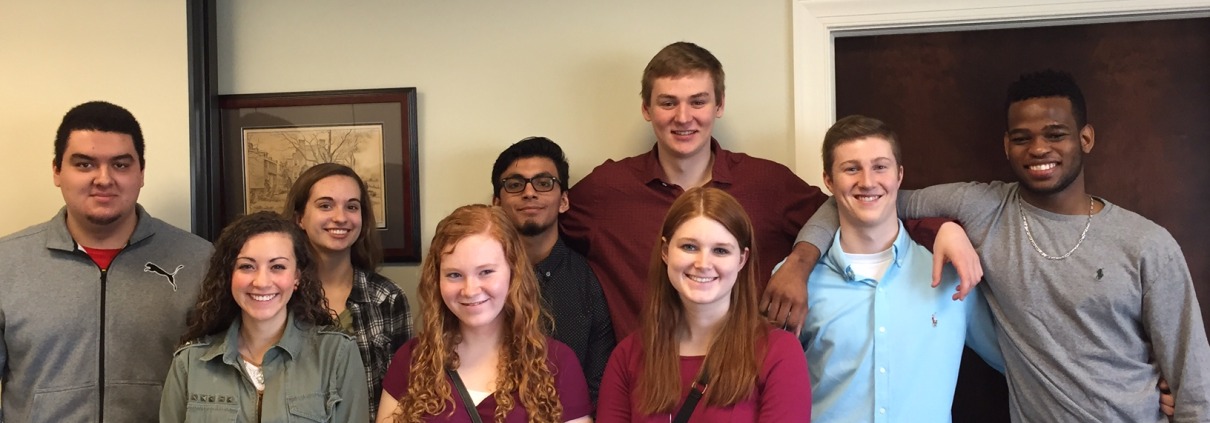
{"x": 732, "y": 360}
{"x": 522, "y": 367}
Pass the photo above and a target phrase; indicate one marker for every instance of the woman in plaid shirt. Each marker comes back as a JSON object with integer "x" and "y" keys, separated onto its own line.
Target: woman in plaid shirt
{"x": 332, "y": 205}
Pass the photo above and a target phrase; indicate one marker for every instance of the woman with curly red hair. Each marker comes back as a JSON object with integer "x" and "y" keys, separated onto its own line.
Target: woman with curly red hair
{"x": 482, "y": 321}
{"x": 702, "y": 341}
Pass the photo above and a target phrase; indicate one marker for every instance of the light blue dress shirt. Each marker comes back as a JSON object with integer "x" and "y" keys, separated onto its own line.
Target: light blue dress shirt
{"x": 889, "y": 350}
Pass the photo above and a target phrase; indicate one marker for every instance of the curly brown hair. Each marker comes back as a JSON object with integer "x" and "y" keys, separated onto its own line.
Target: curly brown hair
{"x": 523, "y": 362}
{"x": 733, "y": 358}
{"x": 216, "y": 308}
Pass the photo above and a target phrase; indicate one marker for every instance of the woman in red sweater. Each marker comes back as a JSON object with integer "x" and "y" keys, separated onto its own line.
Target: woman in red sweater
{"x": 701, "y": 330}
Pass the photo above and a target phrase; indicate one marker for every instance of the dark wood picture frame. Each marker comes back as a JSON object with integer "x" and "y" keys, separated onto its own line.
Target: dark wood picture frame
{"x": 393, "y": 108}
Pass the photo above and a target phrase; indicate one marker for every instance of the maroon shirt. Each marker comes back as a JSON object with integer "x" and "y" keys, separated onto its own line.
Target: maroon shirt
{"x": 561, "y": 360}
{"x": 782, "y": 392}
{"x": 616, "y": 213}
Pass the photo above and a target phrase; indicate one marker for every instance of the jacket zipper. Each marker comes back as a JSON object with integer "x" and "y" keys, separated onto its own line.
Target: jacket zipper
{"x": 101, "y": 350}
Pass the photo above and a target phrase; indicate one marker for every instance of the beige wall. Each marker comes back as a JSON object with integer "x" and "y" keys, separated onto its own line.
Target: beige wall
{"x": 489, "y": 73}
{"x": 55, "y": 55}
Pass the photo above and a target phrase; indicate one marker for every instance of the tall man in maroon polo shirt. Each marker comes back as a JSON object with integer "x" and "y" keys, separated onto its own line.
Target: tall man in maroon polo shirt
{"x": 616, "y": 210}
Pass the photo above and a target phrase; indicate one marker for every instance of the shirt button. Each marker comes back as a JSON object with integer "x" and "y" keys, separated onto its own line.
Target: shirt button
{"x": 548, "y": 274}
{"x": 882, "y": 410}
{"x": 882, "y": 329}
{"x": 882, "y": 370}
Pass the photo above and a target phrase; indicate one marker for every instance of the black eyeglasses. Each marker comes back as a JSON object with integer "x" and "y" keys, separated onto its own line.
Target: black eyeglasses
{"x": 541, "y": 183}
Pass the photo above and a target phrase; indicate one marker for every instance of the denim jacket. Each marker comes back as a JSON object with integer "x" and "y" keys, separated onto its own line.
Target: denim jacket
{"x": 311, "y": 375}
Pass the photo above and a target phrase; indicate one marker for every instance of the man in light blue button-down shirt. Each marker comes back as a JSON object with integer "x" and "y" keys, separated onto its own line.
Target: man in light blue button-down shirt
{"x": 881, "y": 343}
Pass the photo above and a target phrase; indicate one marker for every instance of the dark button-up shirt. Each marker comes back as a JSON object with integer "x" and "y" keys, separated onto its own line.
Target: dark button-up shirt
{"x": 572, "y": 294}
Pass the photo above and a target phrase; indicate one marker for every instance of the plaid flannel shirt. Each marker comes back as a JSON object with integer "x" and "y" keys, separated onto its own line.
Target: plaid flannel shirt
{"x": 382, "y": 322}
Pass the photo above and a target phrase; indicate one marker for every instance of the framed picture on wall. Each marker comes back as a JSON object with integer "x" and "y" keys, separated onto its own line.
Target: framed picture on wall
{"x": 267, "y": 140}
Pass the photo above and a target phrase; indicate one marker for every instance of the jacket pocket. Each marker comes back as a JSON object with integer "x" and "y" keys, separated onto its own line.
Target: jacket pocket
{"x": 225, "y": 413}
{"x": 309, "y": 408}
{"x": 65, "y": 404}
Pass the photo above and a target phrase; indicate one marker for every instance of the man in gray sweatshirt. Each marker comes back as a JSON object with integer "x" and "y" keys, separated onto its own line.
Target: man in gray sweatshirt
{"x": 93, "y": 301}
{"x": 1094, "y": 303}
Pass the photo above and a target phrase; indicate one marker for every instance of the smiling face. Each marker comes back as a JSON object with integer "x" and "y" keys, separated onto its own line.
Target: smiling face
{"x": 265, "y": 276}
{"x": 864, "y": 180}
{"x": 332, "y": 215}
{"x": 682, "y": 111}
{"x": 100, "y": 178}
{"x": 703, "y": 260}
{"x": 474, "y": 282}
{"x": 1044, "y": 146}
{"x": 532, "y": 212}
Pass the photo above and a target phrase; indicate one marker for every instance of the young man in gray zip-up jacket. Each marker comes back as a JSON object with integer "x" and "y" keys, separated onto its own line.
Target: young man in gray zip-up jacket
{"x": 94, "y": 300}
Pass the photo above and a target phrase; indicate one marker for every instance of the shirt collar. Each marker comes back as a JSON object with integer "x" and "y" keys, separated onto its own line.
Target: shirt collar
{"x": 836, "y": 261}
{"x": 227, "y": 347}
{"x": 59, "y": 238}
{"x": 720, "y": 170}
{"x": 554, "y": 260}
{"x": 361, "y": 287}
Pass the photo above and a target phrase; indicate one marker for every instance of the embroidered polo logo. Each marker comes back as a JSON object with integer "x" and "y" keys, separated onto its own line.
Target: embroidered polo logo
{"x": 1100, "y": 274}
{"x": 934, "y": 319}
{"x": 153, "y": 268}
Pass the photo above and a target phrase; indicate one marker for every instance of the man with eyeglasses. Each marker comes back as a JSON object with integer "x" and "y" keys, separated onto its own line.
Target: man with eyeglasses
{"x": 530, "y": 182}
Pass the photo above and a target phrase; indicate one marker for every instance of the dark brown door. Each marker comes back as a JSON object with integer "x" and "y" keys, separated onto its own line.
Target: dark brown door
{"x": 1147, "y": 86}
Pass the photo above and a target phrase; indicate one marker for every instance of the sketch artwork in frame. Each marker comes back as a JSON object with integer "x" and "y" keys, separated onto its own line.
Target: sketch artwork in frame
{"x": 275, "y": 157}
{"x": 267, "y": 140}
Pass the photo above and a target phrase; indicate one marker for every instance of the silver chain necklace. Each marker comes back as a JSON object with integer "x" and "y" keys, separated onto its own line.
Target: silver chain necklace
{"x": 1030, "y": 235}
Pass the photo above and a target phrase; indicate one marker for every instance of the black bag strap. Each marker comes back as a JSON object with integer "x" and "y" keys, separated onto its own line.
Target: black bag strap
{"x": 695, "y": 395}
{"x": 466, "y": 396}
